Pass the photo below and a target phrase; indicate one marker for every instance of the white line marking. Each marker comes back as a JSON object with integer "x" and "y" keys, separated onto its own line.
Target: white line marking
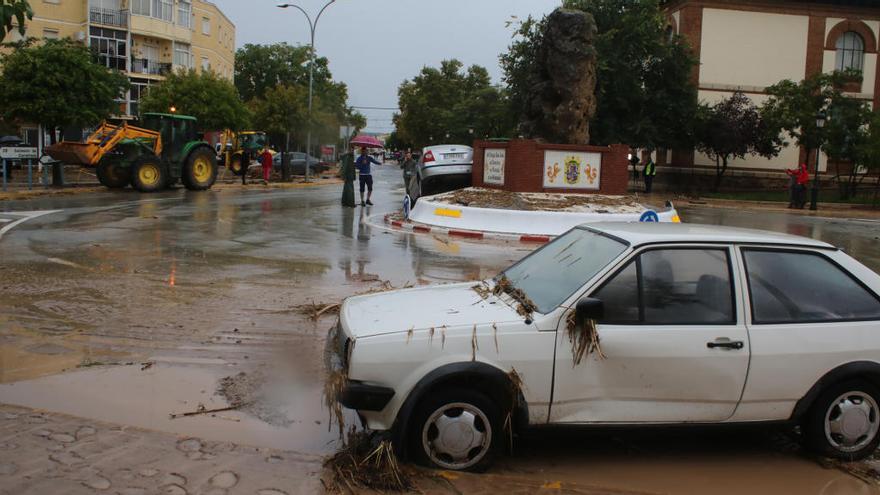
{"x": 31, "y": 216}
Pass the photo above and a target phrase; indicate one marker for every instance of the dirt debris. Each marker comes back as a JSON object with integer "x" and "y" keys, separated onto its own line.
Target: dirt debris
{"x": 365, "y": 461}
{"x": 506, "y": 200}
{"x": 248, "y": 392}
{"x": 584, "y": 339}
{"x": 315, "y": 310}
{"x": 525, "y": 306}
{"x": 516, "y": 385}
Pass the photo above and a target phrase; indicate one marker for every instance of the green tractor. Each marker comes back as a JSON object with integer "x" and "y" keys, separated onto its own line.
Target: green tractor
{"x": 163, "y": 150}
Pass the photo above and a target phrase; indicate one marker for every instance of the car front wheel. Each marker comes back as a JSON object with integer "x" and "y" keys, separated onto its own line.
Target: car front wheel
{"x": 456, "y": 429}
{"x": 844, "y": 422}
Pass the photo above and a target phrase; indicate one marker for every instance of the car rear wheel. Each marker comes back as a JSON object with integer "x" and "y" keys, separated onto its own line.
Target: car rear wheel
{"x": 456, "y": 429}
{"x": 844, "y": 422}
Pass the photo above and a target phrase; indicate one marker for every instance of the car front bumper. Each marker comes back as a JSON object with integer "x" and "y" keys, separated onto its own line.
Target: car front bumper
{"x": 363, "y": 397}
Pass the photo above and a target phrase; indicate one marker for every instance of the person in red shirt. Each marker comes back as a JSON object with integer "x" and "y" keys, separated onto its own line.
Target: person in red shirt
{"x": 799, "y": 180}
{"x": 266, "y": 161}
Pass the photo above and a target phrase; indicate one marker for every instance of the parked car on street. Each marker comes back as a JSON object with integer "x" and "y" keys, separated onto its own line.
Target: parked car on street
{"x": 298, "y": 164}
{"x": 622, "y": 324}
{"x": 439, "y": 169}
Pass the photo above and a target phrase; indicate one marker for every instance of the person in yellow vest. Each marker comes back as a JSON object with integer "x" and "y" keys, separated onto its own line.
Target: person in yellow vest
{"x": 650, "y": 172}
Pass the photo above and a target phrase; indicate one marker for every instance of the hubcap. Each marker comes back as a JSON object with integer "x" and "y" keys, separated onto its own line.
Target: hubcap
{"x": 851, "y": 422}
{"x": 149, "y": 174}
{"x": 457, "y": 436}
{"x": 202, "y": 169}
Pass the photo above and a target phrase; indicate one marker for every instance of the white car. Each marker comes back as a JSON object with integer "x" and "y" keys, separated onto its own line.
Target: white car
{"x": 695, "y": 324}
{"x": 440, "y": 168}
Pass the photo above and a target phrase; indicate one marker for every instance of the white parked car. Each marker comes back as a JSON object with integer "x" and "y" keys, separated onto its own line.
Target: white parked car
{"x": 439, "y": 169}
{"x": 696, "y": 324}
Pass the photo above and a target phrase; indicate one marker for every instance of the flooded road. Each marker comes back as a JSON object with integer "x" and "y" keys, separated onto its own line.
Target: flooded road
{"x": 129, "y": 308}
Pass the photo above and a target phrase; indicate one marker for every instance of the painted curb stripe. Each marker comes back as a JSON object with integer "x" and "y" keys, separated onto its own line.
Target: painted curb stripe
{"x": 469, "y": 235}
{"x": 535, "y": 238}
{"x": 419, "y": 228}
{"x": 446, "y": 212}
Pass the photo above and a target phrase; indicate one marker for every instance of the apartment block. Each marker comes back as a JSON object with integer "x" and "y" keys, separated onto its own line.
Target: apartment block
{"x": 145, "y": 39}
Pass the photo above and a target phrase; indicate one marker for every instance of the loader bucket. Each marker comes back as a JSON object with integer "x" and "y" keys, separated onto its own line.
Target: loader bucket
{"x": 73, "y": 153}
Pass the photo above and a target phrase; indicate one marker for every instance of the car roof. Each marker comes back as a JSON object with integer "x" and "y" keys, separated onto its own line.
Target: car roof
{"x": 640, "y": 233}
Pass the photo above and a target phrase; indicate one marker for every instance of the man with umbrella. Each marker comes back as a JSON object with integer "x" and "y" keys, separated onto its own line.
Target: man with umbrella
{"x": 365, "y": 175}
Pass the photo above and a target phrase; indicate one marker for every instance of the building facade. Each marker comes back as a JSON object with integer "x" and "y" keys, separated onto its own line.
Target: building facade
{"x": 748, "y": 45}
{"x": 145, "y": 39}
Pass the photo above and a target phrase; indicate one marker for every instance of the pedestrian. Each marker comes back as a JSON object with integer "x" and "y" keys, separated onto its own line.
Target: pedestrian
{"x": 409, "y": 169}
{"x": 266, "y": 161}
{"x": 634, "y": 161}
{"x": 803, "y": 178}
{"x": 347, "y": 171}
{"x": 792, "y": 186}
{"x": 365, "y": 175}
{"x": 650, "y": 172}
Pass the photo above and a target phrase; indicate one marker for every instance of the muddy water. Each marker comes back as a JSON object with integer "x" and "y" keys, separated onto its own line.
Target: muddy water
{"x": 193, "y": 288}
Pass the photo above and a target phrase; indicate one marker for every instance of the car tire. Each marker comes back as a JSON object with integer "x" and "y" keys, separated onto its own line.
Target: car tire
{"x": 200, "y": 170}
{"x": 844, "y": 421}
{"x": 472, "y": 421}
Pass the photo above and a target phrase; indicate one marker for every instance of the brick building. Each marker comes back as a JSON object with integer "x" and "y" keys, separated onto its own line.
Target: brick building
{"x": 748, "y": 45}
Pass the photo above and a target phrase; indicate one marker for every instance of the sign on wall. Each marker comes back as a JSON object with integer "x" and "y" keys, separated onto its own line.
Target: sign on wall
{"x": 493, "y": 166}
{"x": 572, "y": 170}
{"x": 18, "y": 153}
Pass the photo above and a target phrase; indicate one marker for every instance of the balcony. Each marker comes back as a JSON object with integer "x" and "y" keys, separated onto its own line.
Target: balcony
{"x": 147, "y": 66}
{"x": 108, "y": 17}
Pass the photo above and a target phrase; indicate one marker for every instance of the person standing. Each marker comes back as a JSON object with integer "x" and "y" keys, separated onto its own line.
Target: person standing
{"x": 792, "y": 186}
{"x": 650, "y": 173}
{"x": 365, "y": 175}
{"x": 348, "y": 173}
{"x": 803, "y": 179}
{"x": 266, "y": 161}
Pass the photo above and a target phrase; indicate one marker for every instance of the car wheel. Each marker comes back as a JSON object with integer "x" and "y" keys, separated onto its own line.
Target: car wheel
{"x": 844, "y": 422}
{"x": 456, "y": 429}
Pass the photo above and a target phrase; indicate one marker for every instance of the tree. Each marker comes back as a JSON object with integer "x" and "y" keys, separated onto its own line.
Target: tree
{"x": 214, "y": 101}
{"x": 14, "y": 10}
{"x": 847, "y": 137}
{"x": 451, "y": 105}
{"x": 283, "y": 110}
{"x": 731, "y": 129}
{"x": 644, "y": 91}
{"x": 58, "y": 84}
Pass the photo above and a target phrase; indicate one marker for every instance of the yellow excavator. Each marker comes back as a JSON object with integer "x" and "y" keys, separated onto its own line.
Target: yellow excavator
{"x": 238, "y": 149}
{"x": 165, "y": 148}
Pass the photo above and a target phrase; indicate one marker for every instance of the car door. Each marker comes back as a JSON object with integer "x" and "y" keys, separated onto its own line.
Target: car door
{"x": 807, "y": 315}
{"x": 675, "y": 344}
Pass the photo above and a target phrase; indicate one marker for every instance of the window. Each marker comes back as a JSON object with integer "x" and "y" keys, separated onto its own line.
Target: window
{"x": 206, "y": 64}
{"x": 799, "y": 287}
{"x": 206, "y": 26}
{"x": 140, "y": 7}
{"x": 183, "y": 55}
{"x": 850, "y": 52}
{"x": 680, "y": 286}
{"x": 553, "y": 273}
{"x": 184, "y": 13}
{"x": 111, "y": 46}
{"x": 139, "y": 88}
{"x": 50, "y": 34}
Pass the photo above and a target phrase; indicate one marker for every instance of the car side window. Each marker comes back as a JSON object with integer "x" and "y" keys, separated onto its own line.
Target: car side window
{"x": 676, "y": 286}
{"x": 804, "y": 287}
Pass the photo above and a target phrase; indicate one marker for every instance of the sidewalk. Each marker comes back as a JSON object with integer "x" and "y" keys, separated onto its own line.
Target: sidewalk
{"x": 831, "y": 210}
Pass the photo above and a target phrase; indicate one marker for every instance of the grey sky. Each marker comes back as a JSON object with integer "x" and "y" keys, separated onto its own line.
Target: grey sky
{"x": 373, "y": 45}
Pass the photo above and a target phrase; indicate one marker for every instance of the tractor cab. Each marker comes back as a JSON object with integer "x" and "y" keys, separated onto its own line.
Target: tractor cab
{"x": 176, "y": 131}
{"x": 253, "y": 141}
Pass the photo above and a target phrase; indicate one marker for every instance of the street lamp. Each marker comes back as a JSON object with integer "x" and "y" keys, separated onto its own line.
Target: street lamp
{"x": 312, "y": 26}
{"x": 814, "y": 194}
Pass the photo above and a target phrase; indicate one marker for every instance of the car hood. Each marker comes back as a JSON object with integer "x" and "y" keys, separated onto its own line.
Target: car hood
{"x": 422, "y": 308}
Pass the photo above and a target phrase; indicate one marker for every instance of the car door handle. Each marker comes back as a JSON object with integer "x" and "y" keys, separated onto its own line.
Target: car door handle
{"x": 736, "y": 344}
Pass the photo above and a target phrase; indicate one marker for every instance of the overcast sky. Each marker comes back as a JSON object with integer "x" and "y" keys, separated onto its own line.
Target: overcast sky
{"x": 373, "y": 45}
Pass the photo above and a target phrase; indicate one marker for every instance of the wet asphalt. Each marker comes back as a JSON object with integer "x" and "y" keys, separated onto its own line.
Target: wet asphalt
{"x": 127, "y": 307}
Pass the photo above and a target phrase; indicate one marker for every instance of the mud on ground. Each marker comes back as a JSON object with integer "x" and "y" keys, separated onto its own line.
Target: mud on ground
{"x": 505, "y": 200}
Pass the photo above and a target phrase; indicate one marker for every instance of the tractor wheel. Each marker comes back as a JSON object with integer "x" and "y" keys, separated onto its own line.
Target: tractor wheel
{"x": 236, "y": 165}
{"x": 112, "y": 175}
{"x": 200, "y": 170}
{"x": 148, "y": 174}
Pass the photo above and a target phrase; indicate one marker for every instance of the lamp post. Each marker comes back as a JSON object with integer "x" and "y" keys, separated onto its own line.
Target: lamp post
{"x": 814, "y": 194}
{"x": 312, "y": 26}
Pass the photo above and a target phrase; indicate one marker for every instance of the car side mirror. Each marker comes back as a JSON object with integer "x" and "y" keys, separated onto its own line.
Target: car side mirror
{"x": 589, "y": 308}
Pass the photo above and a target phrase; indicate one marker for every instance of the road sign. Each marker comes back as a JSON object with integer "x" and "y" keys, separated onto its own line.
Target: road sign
{"x": 650, "y": 216}
{"x": 18, "y": 153}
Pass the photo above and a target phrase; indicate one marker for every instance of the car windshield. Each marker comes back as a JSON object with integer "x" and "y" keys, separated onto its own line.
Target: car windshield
{"x": 553, "y": 273}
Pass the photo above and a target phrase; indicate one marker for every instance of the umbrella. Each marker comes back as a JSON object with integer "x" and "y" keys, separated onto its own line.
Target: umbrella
{"x": 367, "y": 142}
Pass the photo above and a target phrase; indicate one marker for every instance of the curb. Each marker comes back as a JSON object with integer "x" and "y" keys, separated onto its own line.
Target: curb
{"x": 420, "y": 228}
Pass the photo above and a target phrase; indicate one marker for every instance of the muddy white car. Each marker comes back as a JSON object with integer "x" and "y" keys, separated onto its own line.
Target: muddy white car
{"x": 622, "y": 324}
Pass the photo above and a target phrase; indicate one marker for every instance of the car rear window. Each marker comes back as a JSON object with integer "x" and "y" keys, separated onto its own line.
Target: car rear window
{"x": 804, "y": 287}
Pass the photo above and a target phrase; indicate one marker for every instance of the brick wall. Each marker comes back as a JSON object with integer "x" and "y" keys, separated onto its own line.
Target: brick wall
{"x": 524, "y": 166}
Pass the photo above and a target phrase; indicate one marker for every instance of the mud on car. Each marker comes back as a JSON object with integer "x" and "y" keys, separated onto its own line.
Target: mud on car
{"x": 622, "y": 324}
